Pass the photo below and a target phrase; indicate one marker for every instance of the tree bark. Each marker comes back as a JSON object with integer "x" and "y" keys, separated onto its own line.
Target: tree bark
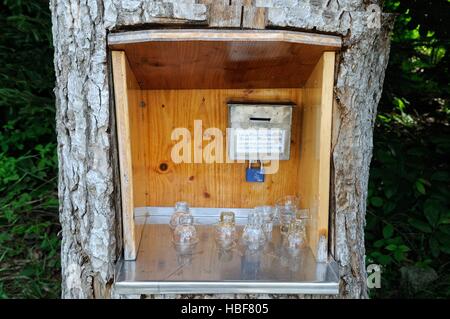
{"x": 88, "y": 193}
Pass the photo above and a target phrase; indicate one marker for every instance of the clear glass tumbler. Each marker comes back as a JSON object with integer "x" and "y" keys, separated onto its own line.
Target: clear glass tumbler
{"x": 266, "y": 215}
{"x": 225, "y": 231}
{"x": 253, "y": 235}
{"x": 286, "y": 209}
{"x": 297, "y": 237}
{"x": 181, "y": 209}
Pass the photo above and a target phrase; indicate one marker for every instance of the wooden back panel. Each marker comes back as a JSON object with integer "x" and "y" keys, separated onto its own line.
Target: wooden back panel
{"x": 152, "y": 121}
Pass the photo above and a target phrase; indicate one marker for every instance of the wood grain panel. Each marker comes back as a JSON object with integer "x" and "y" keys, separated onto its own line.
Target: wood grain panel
{"x": 127, "y": 93}
{"x": 316, "y": 149}
{"x": 222, "y": 64}
{"x": 204, "y": 185}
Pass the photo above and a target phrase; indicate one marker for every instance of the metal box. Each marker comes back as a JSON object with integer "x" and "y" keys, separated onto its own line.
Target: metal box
{"x": 259, "y": 131}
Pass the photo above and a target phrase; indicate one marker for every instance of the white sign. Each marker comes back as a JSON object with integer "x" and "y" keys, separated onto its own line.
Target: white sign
{"x": 260, "y": 141}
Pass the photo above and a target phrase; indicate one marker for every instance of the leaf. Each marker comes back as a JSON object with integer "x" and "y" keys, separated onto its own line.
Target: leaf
{"x": 380, "y": 258}
{"x": 376, "y": 201}
{"x": 404, "y": 248}
{"x": 9, "y": 215}
{"x": 388, "y": 231}
{"x": 420, "y": 187}
{"x": 399, "y": 255}
{"x": 389, "y": 207}
{"x": 4, "y": 236}
{"x": 391, "y": 247}
{"x": 420, "y": 225}
{"x": 432, "y": 211}
{"x": 385, "y": 259}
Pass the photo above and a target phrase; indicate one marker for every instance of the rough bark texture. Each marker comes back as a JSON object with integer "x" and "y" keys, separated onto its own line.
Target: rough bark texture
{"x": 89, "y": 210}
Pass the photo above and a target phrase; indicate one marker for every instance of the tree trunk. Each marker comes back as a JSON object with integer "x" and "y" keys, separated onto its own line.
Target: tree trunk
{"x": 88, "y": 192}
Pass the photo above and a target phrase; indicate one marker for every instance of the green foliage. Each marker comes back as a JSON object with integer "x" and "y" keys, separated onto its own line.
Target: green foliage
{"x": 29, "y": 246}
{"x": 408, "y": 217}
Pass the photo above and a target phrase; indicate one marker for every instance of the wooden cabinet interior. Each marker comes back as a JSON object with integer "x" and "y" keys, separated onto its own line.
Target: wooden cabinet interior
{"x": 161, "y": 84}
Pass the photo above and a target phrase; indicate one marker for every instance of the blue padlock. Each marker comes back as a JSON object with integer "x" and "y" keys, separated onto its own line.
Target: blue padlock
{"x": 254, "y": 174}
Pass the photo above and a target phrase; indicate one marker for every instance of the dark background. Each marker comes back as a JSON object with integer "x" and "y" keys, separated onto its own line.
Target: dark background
{"x": 408, "y": 215}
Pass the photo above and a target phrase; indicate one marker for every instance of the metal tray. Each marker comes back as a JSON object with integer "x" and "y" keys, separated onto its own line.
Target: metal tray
{"x": 161, "y": 269}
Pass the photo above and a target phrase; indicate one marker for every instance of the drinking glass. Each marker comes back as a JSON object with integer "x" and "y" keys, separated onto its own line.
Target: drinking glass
{"x": 286, "y": 209}
{"x": 266, "y": 216}
{"x": 185, "y": 234}
{"x": 225, "y": 230}
{"x": 296, "y": 238}
{"x": 181, "y": 209}
{"x": 253, "y": 234}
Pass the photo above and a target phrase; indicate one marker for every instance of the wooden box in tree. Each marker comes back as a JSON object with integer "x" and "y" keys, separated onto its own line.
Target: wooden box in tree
{"x": 174, "y": 86}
